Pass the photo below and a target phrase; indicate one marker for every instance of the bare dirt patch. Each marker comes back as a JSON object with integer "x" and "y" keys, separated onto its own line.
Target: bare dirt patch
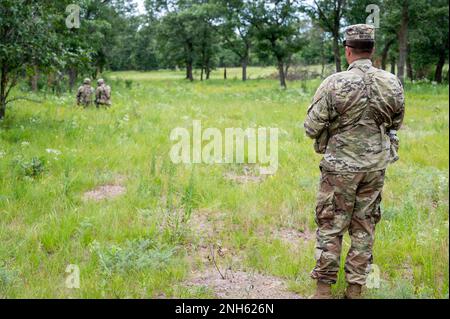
{"x": 293, "y": 236}
{"x": 249, "y": 174}
{"x": 206, "y": 224}
{"x": 219, "y": 268}
{"x": 241, "y": 285}
{"x": 214, "y": 254}
{"x": 407, "y": 270}
{"x": 120, "y": 179}
{"x": 104, "y": 192}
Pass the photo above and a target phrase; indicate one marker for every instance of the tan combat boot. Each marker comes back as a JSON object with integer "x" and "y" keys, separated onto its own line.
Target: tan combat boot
{"x": 353, "y": 291}
{"x": 323, "y": 291}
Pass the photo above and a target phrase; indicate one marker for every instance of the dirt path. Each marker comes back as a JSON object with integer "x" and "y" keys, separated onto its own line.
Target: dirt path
{"x": 108, "y": 191}
{"x": 221, "y": 270}
{"x": 241, "y": 285}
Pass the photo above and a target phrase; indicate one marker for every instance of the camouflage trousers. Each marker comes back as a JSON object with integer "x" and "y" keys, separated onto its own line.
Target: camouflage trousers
{"x": 347, "y": 201}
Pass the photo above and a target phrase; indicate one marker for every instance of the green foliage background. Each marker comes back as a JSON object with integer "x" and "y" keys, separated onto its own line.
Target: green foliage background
{"x": 137, "y": 246}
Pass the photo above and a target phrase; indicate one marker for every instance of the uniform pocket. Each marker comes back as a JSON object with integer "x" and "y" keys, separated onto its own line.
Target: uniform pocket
{"x": 325, "y": 210}
{"x": 376, "y": 214}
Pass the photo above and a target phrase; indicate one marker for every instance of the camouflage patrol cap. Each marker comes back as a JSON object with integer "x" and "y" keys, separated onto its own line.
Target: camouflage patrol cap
{"x": 87, "y": 81}
{"x": 360, "y": 32}
{"x": 360, "y": 36}
{"x": 100, "y": 81}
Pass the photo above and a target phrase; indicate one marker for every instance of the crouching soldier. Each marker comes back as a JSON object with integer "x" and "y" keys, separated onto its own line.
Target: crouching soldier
{"x": 103, "y": 94}
{"x": 84, "y": 93}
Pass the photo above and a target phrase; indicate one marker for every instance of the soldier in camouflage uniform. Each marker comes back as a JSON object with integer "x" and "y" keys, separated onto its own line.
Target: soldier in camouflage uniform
{"x": 84, "y": 93}
{"x": 102, "y": 94}
{"x": 353, "y": 118}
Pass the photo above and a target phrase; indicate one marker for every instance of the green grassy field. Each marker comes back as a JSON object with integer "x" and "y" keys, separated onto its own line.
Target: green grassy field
{"x": 150, "y": 241}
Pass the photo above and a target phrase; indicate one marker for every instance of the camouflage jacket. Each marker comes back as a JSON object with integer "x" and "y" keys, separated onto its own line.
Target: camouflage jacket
{"x": 84, "y": 95}
{"x": 357, "y": 107}
{"x": 103, "y": 95}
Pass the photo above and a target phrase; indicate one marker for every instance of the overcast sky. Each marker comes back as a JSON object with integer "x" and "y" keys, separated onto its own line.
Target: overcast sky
{"x": 141, "y": 7}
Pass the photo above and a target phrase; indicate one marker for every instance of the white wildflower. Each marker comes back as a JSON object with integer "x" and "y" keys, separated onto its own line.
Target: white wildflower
{"x": 52, "y": 151}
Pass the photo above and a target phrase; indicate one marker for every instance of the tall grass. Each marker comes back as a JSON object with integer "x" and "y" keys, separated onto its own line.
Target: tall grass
{"x": 136, "y": 245}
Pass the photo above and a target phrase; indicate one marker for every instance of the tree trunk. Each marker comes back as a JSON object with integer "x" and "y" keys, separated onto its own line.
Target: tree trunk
{"x": 225, "y": 73}
{"x": 244, "y": 68}
{"x": 189, "y": 49}
{"x": 51, "y": 81}
{"x": 409, "y": 67}
{"x": 403, "y": 42}
{"x": 35, "y": 78}
{"x": 393, "y": 65}
{"x": 2, "y": 110}
{"x": 208, "y": 72}
{"x": 201, "y": 74}
{"x": 3, "y": 84}
{"x": 337, "y": 52}
{"x": 385, "y": 53}
{"x": 282, "y": 74}
{"x": 286, "y": 70}
{"x": 440, "y": 67}
{"x": 189, "y": 75}
{"x": 72, "y": 78}
{"x": 98, "y": 72}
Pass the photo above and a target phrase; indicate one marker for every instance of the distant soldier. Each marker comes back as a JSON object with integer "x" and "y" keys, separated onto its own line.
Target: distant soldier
{"x": 85, "y": 93}
{"x": 354, "y": 118}
{"x": 103, "y": 94}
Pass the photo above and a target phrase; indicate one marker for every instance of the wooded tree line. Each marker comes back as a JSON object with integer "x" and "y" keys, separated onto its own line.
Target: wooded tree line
{"x": 203, "y": 35}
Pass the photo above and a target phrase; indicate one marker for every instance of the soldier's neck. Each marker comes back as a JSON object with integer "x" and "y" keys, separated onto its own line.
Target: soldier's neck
{"x": 352, "y": 60}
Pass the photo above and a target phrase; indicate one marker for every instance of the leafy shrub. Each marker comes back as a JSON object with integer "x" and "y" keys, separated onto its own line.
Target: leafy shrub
{"x": 32, "y": 168}
{"x": 134, "y": 255}
{"x": 128, "y": 84}
{"x": 7, "y": 277}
